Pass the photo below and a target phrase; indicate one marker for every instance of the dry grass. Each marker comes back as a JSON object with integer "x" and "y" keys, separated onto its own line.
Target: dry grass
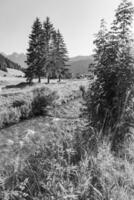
{"x": 39, "y": 159}
{"x": 52, "y": 172}
{"x": 49, "y": 134}
{"x": 15, "y": 107}
{"x": 17, "y": 104}
{"x": 66, "y": 90}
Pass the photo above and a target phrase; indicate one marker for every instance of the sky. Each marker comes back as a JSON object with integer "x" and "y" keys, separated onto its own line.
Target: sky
{"x": 77, "y": 20}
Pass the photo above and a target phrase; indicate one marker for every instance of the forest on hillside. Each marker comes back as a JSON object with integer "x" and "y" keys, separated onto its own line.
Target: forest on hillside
{"x": 6, "y": 63}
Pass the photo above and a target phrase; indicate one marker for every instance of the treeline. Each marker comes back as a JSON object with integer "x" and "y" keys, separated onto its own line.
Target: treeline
{"x": 47, "y": 53}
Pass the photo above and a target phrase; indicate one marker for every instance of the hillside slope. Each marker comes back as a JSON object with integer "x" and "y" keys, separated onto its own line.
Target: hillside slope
{"x": 80, "y": 64}
{"x": 18, "y": 58}
{"x": 5, "y": 63}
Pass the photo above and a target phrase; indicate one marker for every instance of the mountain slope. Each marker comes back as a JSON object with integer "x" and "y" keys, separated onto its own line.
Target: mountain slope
{"x": 80, "y": 64}
{"x": 5, "y": 63}
{"x": 18, "y": 58}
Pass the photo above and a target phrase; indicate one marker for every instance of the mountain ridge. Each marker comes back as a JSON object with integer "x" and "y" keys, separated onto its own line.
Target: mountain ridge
{"x": 19, "y": 58}
{"x": 6, "y": 63}
{"x": 78, "y": 64}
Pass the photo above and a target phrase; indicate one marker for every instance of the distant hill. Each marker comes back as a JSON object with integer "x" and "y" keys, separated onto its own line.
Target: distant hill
{"x": 80, "y": 64}
{"x": 5, "y": 63}
{"x": 18, "y": 58}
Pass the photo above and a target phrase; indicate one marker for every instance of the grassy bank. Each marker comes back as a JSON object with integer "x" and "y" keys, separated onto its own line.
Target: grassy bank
{"x": 19, "y": 104}
{"x": 54, "y": 171}
{"x": 23, "y": 105}
{"x": 54, "y": 168}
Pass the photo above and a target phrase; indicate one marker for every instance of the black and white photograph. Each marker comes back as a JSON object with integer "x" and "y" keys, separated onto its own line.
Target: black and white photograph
{"x": 66, "y": 99}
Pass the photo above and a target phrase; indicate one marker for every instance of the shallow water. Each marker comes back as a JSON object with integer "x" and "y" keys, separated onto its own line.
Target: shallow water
{"x": 63, "y": 119}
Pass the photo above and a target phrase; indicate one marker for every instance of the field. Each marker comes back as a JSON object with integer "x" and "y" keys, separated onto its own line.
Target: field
{"x": 67, "y": 123}
{"x": 62, "y": 116}
{"x": 44, "y": 153}
{"x": 20, "y": 138}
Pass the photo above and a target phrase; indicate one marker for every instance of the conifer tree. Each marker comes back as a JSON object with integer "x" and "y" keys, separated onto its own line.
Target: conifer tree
{"x": 63, "y": 56}
{"x": 109, "y": 95}
{"x": 48, "y": 30}
{"x": 95, "y": 95}
{"x": 35, "y": 52}
{"x": 124, "y": 70}
{"x": 59, "y": 52}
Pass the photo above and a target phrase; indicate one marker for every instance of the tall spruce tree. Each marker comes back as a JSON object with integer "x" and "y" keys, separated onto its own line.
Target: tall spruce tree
{"x": 62, "y": 55}
{"x": 109, "y": 96}
{"x": 124, "y": 70}
{"x": 48, "y": 30}
{"x": 59, "y": 52}
{"x": 95, "y": 96}
{"x": 35, "y": 52}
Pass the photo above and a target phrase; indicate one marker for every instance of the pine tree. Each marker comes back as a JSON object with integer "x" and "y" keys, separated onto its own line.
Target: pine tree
{"x": 108, "y": 97}
{"x": 48, "y": 30}
{"x": 100, "y": 42}
{"x": 121, "y": 30}
{"x": 34, "y": 52}
{"x": 59, "y": 52}
{"x": 95, "y": 97}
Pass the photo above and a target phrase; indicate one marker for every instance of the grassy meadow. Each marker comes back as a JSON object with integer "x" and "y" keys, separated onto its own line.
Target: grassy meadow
{"x": 67, "y": 123}
{"x": 40, "y": 109}
{"x": 44, "y": 146}
{"x": 21, "y": 101}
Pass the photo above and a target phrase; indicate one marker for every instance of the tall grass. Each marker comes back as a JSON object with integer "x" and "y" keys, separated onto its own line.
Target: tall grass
{"x": 68, "y": 166}
{"x": 54, "y": 172}
{"x": 20, "y": 106}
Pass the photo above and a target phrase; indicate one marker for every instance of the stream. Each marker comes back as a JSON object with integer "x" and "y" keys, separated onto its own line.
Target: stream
{"x": 64, "y": 118}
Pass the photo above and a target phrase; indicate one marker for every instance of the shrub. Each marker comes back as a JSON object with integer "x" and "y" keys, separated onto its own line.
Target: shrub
{"x": 20, "y": 106}
{"x": 41, "y": 101}
{"x": 82, "y": 89}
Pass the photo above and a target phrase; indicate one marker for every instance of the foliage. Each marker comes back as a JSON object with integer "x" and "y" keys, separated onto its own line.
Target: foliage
{"x": 47, "y": 53}
{"x": 83, "y": 90}
{"x": 41, "y": 101}
{"x": 23, "y": 106}
{"x": 53, "y": 172}
{"x": 48, "y": 30}
{"x": 59, "y": 54}
{"x": 110, "y": 95}
{"x": 55, "y": 52}
{"x": 35, "y": 52}
{"x": 80, "y": 165}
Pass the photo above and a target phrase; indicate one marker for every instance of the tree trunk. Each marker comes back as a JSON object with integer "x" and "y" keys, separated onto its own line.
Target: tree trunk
{"x": 39, "y": 79}
{"x": 29, "y": 80}
{"x": 59, "y": 78}
{"x": 48, "y": 79}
